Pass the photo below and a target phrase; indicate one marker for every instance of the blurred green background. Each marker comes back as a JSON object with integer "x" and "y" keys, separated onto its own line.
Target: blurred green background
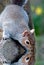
{"x": 37, "y": 8}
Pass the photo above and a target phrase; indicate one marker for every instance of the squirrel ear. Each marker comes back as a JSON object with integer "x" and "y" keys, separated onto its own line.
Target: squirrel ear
{"x": 25, "y": 1}
{"x": 25, "y": 33}
{"x": 32, "y": 31}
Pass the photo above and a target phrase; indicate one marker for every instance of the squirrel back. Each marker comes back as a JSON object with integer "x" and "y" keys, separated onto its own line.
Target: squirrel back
{"x": 15, "y": 19}
{"x": 20, "y": 3}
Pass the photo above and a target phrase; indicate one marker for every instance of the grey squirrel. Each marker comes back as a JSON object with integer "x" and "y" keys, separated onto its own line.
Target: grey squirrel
{"x": 14, "y": 20}
{"x": 26, "y": 59}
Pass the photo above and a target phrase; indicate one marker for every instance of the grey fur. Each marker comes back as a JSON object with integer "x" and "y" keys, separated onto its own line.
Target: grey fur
{"x": 8, "y": 50}
{"x": 14, "y": 20}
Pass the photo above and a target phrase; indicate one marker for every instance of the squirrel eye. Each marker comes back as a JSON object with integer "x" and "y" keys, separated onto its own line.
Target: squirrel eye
{"x": 27, "y": 42}
{"x": 27, "y": 59}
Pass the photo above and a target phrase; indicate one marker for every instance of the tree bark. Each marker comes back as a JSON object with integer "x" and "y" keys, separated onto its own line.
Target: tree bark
{"x": 28, "y": 9}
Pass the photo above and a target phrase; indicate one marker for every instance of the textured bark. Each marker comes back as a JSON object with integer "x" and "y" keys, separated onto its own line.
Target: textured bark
{"x": 28, "y": 9}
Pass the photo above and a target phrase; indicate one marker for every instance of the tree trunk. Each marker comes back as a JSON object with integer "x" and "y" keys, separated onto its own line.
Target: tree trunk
{"x": 28, "y": 9}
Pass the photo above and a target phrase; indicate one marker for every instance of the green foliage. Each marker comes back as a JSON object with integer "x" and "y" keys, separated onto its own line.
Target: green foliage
{"x": 39, "y": 50}
{"x": 38, "y": 24}
{"x": 38, "y": 16}
{"x": 39, "y": 63}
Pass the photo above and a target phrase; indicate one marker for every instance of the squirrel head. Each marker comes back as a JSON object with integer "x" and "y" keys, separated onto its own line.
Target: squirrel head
{"x": 26, "y": 59}
{"x": 28, "y": 39}
{"x": 19, "y": 2}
